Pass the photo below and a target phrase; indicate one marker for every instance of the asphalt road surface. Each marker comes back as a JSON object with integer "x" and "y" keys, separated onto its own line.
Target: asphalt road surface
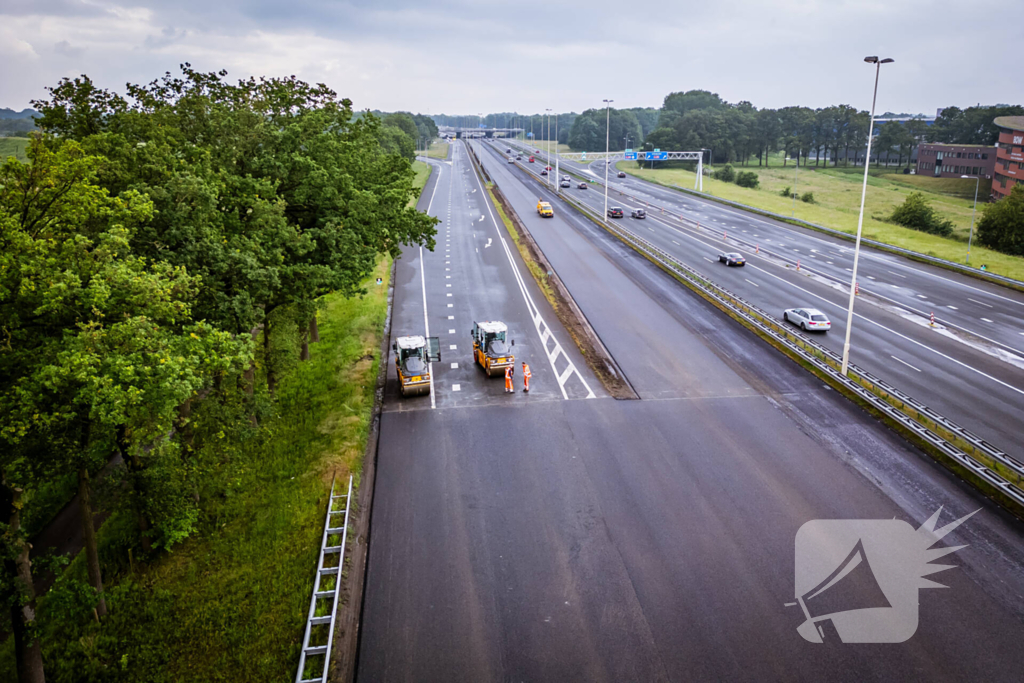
{"x": 556, "y": 537}
{"x": 969, "y": 367}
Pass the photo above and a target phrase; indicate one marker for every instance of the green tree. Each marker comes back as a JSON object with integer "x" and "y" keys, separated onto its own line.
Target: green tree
{"x": 747, "y": 179}
{"x": 1001, "y": 226}
{"x": 916, "y": 213}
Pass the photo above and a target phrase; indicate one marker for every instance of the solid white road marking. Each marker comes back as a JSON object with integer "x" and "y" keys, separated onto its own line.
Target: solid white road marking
{"x": 980, "y": 302}
{"x": 905, "y": 363}
{"x": 456, "y": 387}
{"x": 423, "y": 286}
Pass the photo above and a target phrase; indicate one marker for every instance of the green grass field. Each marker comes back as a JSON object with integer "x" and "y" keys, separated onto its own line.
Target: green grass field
{"x": 837, "y": 203}
{"x": 438, "y": 150}
{"x": 13, "y": 147}
{"x": 422, "y": 170}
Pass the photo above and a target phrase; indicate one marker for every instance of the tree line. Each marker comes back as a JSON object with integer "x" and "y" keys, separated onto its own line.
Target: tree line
{"x": 152, "y": 244}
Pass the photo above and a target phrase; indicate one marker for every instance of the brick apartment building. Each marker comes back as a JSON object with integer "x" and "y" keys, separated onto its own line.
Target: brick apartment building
{"x": 952, "y": 161}
{"x": 1009, "y": 167}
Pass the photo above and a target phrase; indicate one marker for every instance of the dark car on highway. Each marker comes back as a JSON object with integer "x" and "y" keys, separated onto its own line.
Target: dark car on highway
{"x": 732, "y": 259}
{"x": 582, "y": 186}
{"x": 615, "y": 212}
{"x": 638, "y": 213}
{"x": 622, "y": 174}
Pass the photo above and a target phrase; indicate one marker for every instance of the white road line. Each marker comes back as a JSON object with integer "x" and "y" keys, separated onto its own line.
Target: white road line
{"x": 707, "y": 259}
{"x": 451, "y": 331}
{"x": 988, "y": 321}
{"x": 456, "y": 387}
{"x": 453, "y": 347}
{"x": 455, "y": 366}
{"x": 953, "y": 307}
{"x": 752, "y": 282}
{"x": 905, "y": 363}
{"x": 423, "y": 286}
{"x": 980, "y": 302}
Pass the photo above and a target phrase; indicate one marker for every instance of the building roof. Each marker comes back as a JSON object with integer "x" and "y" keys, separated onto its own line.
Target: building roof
{"x": 1011, "y": 122}
{"x": 953, "y": 144}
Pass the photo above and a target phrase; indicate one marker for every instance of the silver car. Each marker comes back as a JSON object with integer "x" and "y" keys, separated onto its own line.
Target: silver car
{"x": 807, "y": 319}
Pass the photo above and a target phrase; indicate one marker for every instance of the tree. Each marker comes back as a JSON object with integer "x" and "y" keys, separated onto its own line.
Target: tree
{"x": 683, "y": 102}
{"x": 585, "y": 135}
{"x": 971, "y": 126}
{"x": 890, "y": 135}
{"x": 767, "y": 133}
{"x": 1001, "y": 226}
{"x": 403, "y": 122}
{"x": 916, "y": 213}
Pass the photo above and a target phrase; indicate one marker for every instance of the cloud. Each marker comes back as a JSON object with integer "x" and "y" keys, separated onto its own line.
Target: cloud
{"x": 65, "y": 48}
{"x": 463, "y": 56}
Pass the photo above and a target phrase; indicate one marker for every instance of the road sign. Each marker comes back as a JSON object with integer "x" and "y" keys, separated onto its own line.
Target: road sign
{"x": 656, "y": 155}
{"x": 584, "y": 157}
{"x": 629, "y": 155}
{"x": 657, "y": 149}
{"x": 629, "y": 149}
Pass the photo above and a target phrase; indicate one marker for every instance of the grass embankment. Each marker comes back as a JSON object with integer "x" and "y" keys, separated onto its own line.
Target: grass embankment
{"x": 438, "y": 149}
{"x": 13, "y": 147}
{"x": 422, "y": 170}
{"x": 837, "y": 203}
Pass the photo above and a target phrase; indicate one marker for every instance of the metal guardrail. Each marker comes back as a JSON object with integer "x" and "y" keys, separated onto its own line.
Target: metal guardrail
{"x": 970, "y": 451}
{"x": 324, "y": 604}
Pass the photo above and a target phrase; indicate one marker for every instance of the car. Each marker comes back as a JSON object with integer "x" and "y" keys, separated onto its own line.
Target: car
{"x": 581, "y": 186}
{"x": 638, "y": 213}
{"x": 511, "y": 160}
{"x": 548, "y": 168}
{"x": 519, "y": 157}
{"x": 807, "y": 319}
{"x": 544, "y": 209}
{"x": 565, "y": 177}
{"x": 536, "y": 151}
{"x": 565, "y": 183}
{"x": 531, "y": 160}
{"x": 732, "y": 259}
{"x": 508, "y": 151}
{"x": 622, "y": 174}
{"x": 543, "y": 172}
{"x": 615, "y": 212}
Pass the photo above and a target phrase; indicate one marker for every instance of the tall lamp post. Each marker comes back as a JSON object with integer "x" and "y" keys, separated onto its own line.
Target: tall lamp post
{"x": 558, "y": 178}
{"x": 607, "y": 131}
{"x": 547, "y": 113}
{"x": 860, "y": 220}
{"x": 796, "y": 170}
{"x": 975, "y": 211}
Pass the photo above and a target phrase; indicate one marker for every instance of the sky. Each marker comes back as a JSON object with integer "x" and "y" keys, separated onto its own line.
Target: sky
{"x": 463, "y": 57}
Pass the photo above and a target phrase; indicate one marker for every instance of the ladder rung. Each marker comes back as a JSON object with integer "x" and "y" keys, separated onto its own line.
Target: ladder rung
{"x": 332, "y": 549}
{"x": 325, "y": 594}
{"x": 316, "y": 650}
{"x": 324, "y": 571}
{"x": 321, "y": 620}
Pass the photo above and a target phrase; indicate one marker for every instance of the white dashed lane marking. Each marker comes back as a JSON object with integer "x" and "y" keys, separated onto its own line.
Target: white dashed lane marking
{"x": 456, "y": 387}
{"x": 905, "y": 363}
{"x": 455, "y": 366}
{"x": 980, "y": 302}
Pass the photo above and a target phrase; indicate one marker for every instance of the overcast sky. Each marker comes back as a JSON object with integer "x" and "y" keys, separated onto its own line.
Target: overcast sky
{"x": 457, "y": 56}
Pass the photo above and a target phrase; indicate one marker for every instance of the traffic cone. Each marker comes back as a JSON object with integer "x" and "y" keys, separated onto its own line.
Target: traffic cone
{"x": 931, "y": 319}
{"x": 856, "y": 288}
{"x": 798, "y": 264}
{"x": 757, "y": 248}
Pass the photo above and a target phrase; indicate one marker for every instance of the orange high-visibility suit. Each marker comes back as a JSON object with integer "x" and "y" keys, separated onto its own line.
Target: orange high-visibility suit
{"x": 526, "y": 377}
{"x": 508, "y": 380}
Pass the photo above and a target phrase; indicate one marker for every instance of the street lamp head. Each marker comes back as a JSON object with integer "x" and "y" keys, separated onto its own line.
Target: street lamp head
{"x": 871, "y": 60}
{"x": 608, "y": 101}
{"x": 888, "y": 60}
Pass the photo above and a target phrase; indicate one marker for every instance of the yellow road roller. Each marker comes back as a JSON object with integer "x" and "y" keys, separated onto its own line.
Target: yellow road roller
{"x": 491, "y": 348}
{"x": 412, "y": 355}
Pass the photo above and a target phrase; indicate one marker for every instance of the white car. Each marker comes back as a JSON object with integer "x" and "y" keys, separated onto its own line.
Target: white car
{"x": 511, "y": 160}
{"x": 807, "y": 319}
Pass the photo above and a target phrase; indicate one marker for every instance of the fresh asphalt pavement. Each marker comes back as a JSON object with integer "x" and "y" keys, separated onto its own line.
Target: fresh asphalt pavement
{"x": 975, "y": 381}
{"x": 653, "y": 539}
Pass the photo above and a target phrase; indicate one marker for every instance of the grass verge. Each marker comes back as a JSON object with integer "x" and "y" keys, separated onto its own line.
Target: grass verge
{"x": 422, "y": 171}
{"x": 13, "y": 147}
{"x": 837, "y": 204}
{"x": 438, "y": 149}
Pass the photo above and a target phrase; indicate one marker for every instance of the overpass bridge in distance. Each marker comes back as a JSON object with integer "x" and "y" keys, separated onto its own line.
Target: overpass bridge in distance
{"x": 473, "y": 132}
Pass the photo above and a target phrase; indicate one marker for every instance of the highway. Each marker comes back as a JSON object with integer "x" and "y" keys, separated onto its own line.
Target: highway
{"x": 556, "y": 536}
{"x": 972, "y": 373}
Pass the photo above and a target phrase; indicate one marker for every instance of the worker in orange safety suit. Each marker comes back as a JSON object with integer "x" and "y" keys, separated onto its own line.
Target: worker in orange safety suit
{"x": 508, "y": 380}
{"x": 526, "y": 377}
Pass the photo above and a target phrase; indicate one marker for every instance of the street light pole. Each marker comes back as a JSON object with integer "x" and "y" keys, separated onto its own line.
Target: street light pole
{"x": 970, "y": 239}
{"x": 607, "y": 132}
{"x": 547, "y": 113}
{"x": 796, "y": 170}
{"x": 860, "y": 220}
{"x": 558, "y": 178}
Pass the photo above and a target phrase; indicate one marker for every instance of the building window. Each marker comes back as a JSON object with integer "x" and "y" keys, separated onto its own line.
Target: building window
{"x": 984, "y": 155}
{"x": 975, "y": 171}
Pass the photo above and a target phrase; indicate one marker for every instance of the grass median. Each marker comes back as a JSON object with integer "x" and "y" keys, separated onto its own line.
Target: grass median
{"x": 837, "y": 204}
